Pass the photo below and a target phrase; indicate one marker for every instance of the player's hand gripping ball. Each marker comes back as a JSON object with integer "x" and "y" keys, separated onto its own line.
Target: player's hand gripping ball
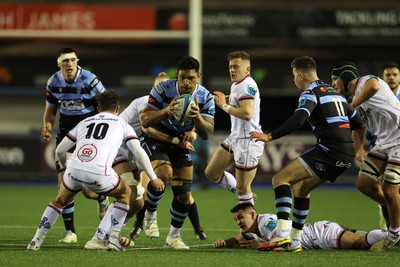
{"x": 185, "y": 103}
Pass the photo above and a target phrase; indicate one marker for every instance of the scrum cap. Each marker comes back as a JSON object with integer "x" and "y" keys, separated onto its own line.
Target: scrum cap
{"x": 347, "y": 71}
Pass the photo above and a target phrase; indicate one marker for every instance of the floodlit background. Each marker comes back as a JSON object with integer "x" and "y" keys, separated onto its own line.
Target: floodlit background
{"x": 150, "y": 36}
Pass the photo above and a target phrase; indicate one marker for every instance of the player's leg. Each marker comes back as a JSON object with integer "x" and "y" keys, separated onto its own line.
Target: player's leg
{"x": 351, "y": 240}
{"x": 195, "y": 220}
{"x": 390, "y": 187}
{"x": 163, "y": 170}
{"x": 119, "y": 212}
{"x": 246, "y": 156}
{"x": 244, "y": 180}
{"x": 369, "y": 182}
{"x": 138, "y": 225}
{"x": 215, "y": 170}
{"x": 181, "y": 186}
{"x": 68, "y": 217}
{"x": 50, "y": 216}
{"x": 102, "y": 201}
{"x": 291, "y": 174}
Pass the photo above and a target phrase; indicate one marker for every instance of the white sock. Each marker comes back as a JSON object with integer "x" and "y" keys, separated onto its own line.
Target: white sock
{"x": 49, "y": 218}
{"x": 105, "y": 224}
{"x": 394, "y": 231}
{"x": 246, "y": 199}
{"x": 375, "y": 235}
{"x": 227, "y": 181}
{"x": 151, "y": 214}
{"x": 118, "y": 216}
{"x": 174, "y": 232}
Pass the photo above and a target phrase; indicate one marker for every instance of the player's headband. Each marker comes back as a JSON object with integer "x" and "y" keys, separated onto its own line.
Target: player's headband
{"x": 66, "y": 56}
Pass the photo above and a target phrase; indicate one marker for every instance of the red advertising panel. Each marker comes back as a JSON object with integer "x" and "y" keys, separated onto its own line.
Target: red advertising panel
{"x": 77, "y": 17}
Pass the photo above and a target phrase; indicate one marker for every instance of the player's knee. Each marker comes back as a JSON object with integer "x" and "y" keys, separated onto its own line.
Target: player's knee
{"x": 181, "y": 189}
{"x": 129, "y": 178}
{"x": 139, "y": 191}
{"x": 392, "y": 176}
{"x": 163, "y": 171}
{"x": 369, "y": 169}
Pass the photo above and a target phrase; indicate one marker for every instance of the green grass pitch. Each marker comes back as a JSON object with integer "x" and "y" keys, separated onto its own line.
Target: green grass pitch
{"x": 22, "y": 207}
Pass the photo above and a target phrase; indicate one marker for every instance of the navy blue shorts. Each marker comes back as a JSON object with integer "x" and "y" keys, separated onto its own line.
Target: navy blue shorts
{"x": 158, "y": 150}
{"x": 325, "y": 164}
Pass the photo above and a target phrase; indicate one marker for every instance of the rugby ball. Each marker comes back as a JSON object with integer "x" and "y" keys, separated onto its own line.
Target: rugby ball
{"x": 185, "y": 103}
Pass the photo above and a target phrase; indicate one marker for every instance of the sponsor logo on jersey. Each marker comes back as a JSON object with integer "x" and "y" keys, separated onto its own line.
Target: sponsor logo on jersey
{"x": 87, "y": 153}
{"x": 270, "y": 225}
{"x": 302, "y": 101}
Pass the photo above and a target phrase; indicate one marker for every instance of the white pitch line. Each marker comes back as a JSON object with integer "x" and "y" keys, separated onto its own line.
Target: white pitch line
{"x": 167, "y": 247}
{"x": 92, "y": 227}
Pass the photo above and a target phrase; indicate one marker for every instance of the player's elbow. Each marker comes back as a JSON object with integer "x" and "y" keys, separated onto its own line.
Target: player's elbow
{"x": 247, "y": 115}
{"x": 144, "y": 121}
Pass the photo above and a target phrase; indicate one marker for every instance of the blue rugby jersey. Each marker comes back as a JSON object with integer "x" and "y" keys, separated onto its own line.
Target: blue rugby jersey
{"x": 76, "y": 98}
{"x": 329, "y": 115}
{"x": 163, "y": 93}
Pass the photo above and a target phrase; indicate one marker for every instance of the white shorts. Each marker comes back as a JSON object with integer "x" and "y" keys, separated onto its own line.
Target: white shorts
{"x": 125, "y": 155}
{"x": 75, "y": 180}
{"x": 390, "y": 154}
{"x": 246, "y": 152}
{"x": 322, "y": 235}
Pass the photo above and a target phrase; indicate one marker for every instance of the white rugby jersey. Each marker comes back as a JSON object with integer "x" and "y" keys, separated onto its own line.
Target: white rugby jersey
{"x": 132, "y": 112}
{"x": 266, "y": 227}
{"x": 380, "y": 113}
{"x": 246, "y": 89}
{"x": 319, "y": 235}
{"x": 98, "y": 139}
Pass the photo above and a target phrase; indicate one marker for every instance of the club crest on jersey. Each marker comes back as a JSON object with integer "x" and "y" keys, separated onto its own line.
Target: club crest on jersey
{"x": 78, "y": 90}
{"x": 319, "y": 166}
{"x": 251, "y": 90}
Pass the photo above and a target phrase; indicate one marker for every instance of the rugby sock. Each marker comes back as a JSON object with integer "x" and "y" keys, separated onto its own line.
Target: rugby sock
{"x": 375, "y": 236}
{"x": 153, "y": 197}
{"x": 118, "y": 216}
{"x": 49, "y": 218}
{"x": 174, "y": 232}
{"x": 179, "y": 212}
{"x": 246, "y": 198}
{"x": 140, "y": 216}
{"x": 227, "y": 181}
{"x": 105, "y": 224}
{"x": 194, "y": 216}
{"x": 283, "y": 201}
{"x": 301, "y": 208}
{"x": 394, "y": 232}
{"x": 68, "y": 216}
{"x": 101, "y": 198}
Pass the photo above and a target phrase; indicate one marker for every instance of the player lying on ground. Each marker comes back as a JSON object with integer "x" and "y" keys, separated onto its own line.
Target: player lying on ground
{"x": 256, "y": 229}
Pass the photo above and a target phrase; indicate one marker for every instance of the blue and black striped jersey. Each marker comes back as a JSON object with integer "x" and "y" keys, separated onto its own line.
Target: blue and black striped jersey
{"x": 76, "y": 98}
{"x": 330, "y": 116}
{"x": 163, "y": 93}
